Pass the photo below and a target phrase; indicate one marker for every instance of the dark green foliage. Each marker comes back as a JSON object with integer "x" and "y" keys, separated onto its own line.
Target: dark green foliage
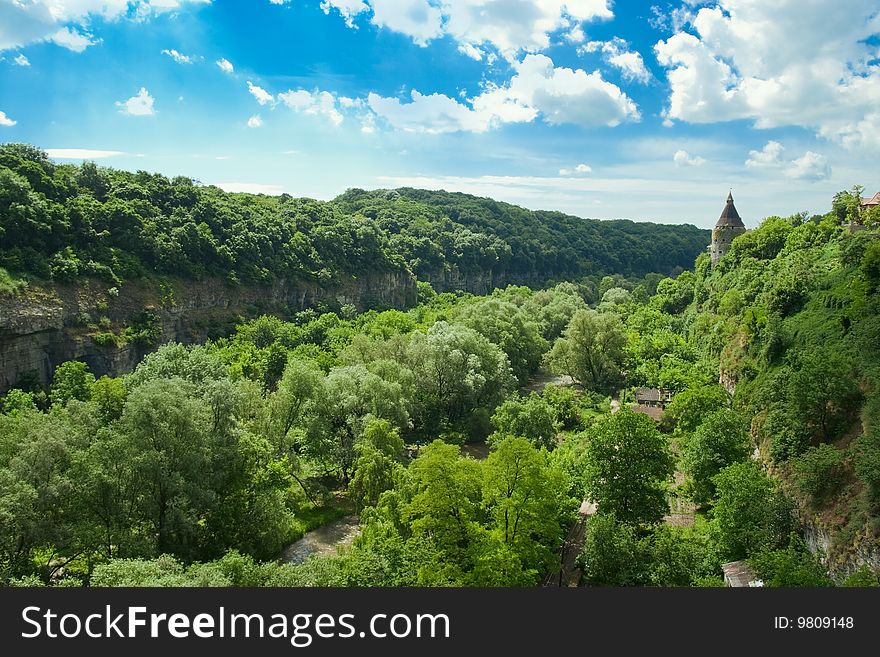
{"x": 721, "y": 439}
{"x": 749, "y": 514}
{"x": 614, "y": 554}
{"x": 793, "y": 565}
{"x": 819, "y": 472}
{"x": 65, "y": 222}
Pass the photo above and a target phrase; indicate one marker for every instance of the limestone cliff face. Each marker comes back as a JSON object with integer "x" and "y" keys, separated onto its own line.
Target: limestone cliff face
{"x": 840, "y": 564}
{"x": 41, "y": 328}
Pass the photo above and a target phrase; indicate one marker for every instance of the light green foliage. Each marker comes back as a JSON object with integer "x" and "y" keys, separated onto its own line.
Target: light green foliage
{"x": 458, "y": 371}
{"x": 526, "y": 496}
{"x": 530, "y": 417}
{"x": 690, "y": 407}
{"x": 109, "y": 394}
{"x": 504, "y": 324}
{"x": 351, "y": 396}
{"x": 720, "y": 440}
{"x": 72, "y": 380}
{"x": 628, "y": 464}
{"x": 591, "y": 350}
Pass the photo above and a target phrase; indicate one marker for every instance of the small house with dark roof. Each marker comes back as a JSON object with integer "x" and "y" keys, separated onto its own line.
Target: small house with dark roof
{"x": 728, "y": 226}
{"x": 652, "y": 401}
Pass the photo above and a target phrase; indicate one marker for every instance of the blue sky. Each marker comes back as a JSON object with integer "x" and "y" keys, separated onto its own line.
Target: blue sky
{"x": 645, "y": 110}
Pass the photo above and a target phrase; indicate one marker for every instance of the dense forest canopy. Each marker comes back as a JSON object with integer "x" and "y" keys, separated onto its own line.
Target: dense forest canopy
{"x": 199, "y": 466}
{"x": 63, "y": 222}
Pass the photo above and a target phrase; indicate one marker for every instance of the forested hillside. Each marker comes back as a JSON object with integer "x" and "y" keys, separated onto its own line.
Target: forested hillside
{"x": 62, "y": 222}
{"x": 200, "y": 465}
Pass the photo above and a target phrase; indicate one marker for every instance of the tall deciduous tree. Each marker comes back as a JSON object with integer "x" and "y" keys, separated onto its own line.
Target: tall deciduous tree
{"x": 591, "y": 350}
{"x": 628, "y": 463}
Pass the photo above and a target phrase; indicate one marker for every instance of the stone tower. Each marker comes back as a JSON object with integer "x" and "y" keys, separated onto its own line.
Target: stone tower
{"x": 729, "y": 226}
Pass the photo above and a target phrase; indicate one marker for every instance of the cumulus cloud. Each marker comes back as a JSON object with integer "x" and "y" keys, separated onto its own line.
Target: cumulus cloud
{"x": 178, "y": 57}
{"x": 255, "y": 121}
{"x": 741, "y": 62}
{"x": 557, "y": 94}
{"x": 617, "y": 53}
{"x": 769, "y": 156}
{"x": 225, "y": 65}
{"x": 80, "y": 153}
{"x": 63, "y": 22}
{"x": 321, "y": 103}
{"x": 21, "y": 60}
{"x": 810, "y": 166}
{"x": 510, "y": 27}
{"x": 684, "y": 159}
{"x": 263, "y": 97}
{"x": 6, "y": 121}
{"x": 139, "y": 105}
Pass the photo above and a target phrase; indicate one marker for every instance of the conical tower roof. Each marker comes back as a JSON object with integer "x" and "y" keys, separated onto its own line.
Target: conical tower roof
{"x": 729, "y": 215}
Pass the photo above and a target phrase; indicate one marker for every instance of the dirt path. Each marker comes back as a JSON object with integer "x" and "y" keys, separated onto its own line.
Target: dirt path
{"x": 569, "y": 574}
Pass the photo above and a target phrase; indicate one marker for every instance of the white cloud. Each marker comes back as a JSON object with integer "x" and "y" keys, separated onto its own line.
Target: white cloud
{"x": 21, "y": 60}
{"x": 557, "y": 94}
{"x": 471, "y": 51}
{"x": 5, "y": 120}
{"x": 581, "y": 169}
{"x": 511, "y": 26}
{"x": 263, "y": 97}
{"x": 225, "y": 65}
{"x": 251, "y": 188}
{"x": 347, "y": 8}
{"x": 616, "y": 52}
{"x": 811, "y": 166}
{"x": 564, "y": 95}
{"x": 742, "y": 62}
{"x": 23, "y": 22}
{"x": 80, "y": 153}
{"x": 73, "y": 39}
{"x": 178, "y": 57}
{"x": 255, "y": 121}
{"x": 684, "y": 159}
{"x": 769, "y": 156}
{"x": 317, "y": 103}
{"x": 139, "y": 105}
{"x": 433, "y": 113}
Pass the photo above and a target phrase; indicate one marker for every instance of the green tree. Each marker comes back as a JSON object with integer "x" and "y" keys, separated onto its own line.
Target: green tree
{"x": 504, "y": 324}
{"x": 614, "y": 554}
{"x": 72, "y": 380}
{"x": 526, "y": 498}
{"x": 690, "y": 407}
{"x": 628, "y": 463}
{"x": 531, "y": 418}
{"x": 591, "y": 351}
{"x": 721, "y": 439}
{"x": 745, "y": 511}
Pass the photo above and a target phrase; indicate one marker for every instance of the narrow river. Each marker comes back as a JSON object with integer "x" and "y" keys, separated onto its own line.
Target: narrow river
{"x": 323, "y": 541}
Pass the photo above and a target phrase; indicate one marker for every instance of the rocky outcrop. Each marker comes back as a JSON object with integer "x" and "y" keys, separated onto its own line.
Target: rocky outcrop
{"x": 840, "y": 564}
{"x": 42, "y": 327}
